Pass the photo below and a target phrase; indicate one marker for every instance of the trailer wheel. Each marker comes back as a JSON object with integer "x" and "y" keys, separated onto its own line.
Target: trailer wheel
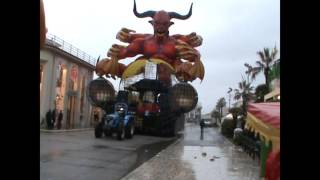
{"x": 121, "y": 132}
{"x": 130, "y": 131}
{"x": 98, "y": 131}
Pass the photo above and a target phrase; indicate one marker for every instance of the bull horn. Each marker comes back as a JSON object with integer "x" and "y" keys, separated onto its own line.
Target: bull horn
{"x": 98, "y": 60}
{"x": 142, "y": 15}
{"x": 179, "y": 16}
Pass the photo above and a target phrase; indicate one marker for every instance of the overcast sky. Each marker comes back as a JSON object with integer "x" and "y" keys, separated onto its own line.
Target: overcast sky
{"x": 232, "y": 30}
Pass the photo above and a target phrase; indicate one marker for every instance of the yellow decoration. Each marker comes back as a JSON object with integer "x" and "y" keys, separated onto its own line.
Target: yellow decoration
{"x": 267, "y": 132}
{"x": 137, "y": 67}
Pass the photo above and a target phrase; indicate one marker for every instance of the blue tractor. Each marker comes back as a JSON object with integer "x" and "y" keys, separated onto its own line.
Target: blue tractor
{"x": 120, "y": 121}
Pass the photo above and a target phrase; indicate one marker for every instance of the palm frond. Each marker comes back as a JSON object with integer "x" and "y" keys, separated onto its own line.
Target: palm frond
{"x": 260, "y": 64}
{"x": 261, "y": 55}
{"x": 255, "y": 72}
{"x": 274, "y": 53}
{"x": 240, "y": 85}
{"x": 237, "y": 96}
{"x": 249, "y": 68}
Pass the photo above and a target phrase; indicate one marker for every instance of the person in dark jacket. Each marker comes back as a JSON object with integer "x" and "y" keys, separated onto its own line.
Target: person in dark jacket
{"x": 60, "y": 117}
{"x": 48, "y": 119}
{"x": 202, "y": 125}
{"x": 54, "y": 112}
{"x": 96, "y": 117}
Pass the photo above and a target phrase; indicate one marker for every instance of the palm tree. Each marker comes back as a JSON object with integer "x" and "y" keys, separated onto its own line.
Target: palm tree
{"x": 235, "y": 111}
{"x": 219, "y": 106}
{"x": 251, "y": 72}
{"x": 264, "y": 64}
{"x": 215, "y": 114}
{"x": 229, "y": 92}
{"x": 244, "y": 92}
{"x": 260, "y": 91}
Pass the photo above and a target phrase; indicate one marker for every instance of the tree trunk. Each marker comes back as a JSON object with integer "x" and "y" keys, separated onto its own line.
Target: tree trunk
{"x": 220, "y": 115}
{"x": 244, "y": 105}
{"x": 266, "y": 75}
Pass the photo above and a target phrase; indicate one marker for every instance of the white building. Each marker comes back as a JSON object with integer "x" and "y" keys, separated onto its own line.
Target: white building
{"x": 64, "y": 74}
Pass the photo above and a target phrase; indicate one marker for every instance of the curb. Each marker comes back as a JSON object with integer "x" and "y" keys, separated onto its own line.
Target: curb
{"x": 65, "y": 130}
{"x": 136, "y": 169}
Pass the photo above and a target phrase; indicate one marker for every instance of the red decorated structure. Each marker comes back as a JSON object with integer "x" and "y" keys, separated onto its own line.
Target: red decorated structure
{"x": 264, "y": 120}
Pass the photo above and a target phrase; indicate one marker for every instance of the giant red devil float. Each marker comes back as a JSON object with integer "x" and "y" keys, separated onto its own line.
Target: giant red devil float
{"x": 177, "y": 51}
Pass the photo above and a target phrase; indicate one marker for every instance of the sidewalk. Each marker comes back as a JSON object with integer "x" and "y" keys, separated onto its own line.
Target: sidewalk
{"x": 64, "y": 130}
{"x": 211, "y": 158}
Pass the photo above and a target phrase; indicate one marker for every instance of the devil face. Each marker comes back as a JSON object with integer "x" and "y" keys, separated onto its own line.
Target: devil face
{"x": 161, "y": 23}
{"x": 161, "y": 19}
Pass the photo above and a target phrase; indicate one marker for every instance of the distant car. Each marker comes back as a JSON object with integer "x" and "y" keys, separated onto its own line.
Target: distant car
{"x": 208, "y": 123}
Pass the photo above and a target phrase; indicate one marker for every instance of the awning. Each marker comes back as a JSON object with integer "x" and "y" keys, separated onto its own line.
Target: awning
{"x": 264, "y": 118}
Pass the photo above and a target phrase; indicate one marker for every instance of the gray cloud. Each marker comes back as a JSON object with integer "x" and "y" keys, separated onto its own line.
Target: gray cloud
{"x": 233, "y": 31}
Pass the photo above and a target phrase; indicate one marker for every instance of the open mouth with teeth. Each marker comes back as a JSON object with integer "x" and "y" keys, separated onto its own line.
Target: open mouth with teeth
{"x": 161, "y": 32}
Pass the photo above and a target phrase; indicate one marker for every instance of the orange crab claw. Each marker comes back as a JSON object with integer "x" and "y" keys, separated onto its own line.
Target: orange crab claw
{"x": 197, "y": 70}
{"x": 110, "y": 68}
{"x": 182, "y": 71}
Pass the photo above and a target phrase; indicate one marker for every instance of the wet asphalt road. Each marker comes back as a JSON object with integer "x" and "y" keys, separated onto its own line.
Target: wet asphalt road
{"x": 78, "y": 155}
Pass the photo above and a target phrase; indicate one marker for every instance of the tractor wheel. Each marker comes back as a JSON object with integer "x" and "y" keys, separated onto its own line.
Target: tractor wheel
{"x": 107, "y": 132}
{"x": 121, "y": 132}
{"x": 130, "y": 131}
{"x": 98, "y": 131}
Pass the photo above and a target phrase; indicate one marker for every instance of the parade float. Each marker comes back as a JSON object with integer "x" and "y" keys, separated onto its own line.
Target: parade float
{"x": 264, "y": 120}
{"x": 154, "y": 90}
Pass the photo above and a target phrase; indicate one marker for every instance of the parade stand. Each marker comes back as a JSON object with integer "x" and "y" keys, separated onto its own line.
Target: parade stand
{"x": 264, "y": 120}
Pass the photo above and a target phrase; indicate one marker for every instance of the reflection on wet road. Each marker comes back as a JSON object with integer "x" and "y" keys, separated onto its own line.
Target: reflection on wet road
{"x": 197, "y": 157}
{"x": 78, "y": 155}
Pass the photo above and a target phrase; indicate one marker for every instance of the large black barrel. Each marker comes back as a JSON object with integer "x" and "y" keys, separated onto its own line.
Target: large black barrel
{"x": 182, "y": 97}
{"x": 100, "y": 92}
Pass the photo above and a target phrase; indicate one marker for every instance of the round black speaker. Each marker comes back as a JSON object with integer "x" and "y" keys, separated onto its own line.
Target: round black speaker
{"x": 182, "y": 97}
{"x": 100, "y": 92}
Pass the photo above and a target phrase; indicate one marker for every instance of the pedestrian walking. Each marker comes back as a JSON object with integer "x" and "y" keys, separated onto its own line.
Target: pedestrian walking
{"x": 60, "y": 117}
{"x": 54, "y": 112}
{"x": 201, "y": 126}
{"x": 96, "y": 117}
{"x": 48, "y": 119}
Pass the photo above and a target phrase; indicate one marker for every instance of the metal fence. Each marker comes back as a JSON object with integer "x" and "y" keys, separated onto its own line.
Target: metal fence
{"x": 67, "y": 47}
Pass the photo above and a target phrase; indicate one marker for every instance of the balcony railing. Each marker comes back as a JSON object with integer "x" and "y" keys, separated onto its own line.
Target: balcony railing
{"x": 67, "y": 47}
